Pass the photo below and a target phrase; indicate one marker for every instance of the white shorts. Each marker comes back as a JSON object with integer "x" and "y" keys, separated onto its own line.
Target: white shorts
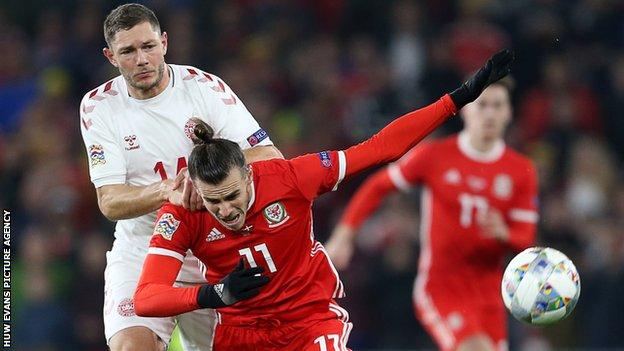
{"x": 123, "y": 268}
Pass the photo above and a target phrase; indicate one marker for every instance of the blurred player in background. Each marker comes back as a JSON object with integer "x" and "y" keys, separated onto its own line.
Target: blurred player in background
{"x": 478, "y": 201}
{"x": 261, "y": 213}
{"x": 137, "y": 130}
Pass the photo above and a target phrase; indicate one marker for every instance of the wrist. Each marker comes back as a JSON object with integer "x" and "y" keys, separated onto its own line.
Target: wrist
{"x": 163, "y": 191}
{"x": 207, "y": 297}
{"x": 460, "y": 96}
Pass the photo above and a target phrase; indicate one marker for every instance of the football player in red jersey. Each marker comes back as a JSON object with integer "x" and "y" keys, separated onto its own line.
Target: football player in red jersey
{"x": 259, "y": 216}
{"x": 478, "y": 202}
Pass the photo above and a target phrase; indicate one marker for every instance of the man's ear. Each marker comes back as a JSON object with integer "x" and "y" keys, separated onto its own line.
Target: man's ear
{"x": 164, "y": 42}
{"x": 249, "y": 173}
{"x": 108, "y": 53}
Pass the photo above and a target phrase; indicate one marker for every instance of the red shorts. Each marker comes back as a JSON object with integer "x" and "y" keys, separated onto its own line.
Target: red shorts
{"x": 450, "y": 314}
{"x": 319, "y": 332}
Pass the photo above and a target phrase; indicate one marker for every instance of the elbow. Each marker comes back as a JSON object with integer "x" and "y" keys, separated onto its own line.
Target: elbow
{"x": 141, "y": 308}
{"x": 107, "y": 210}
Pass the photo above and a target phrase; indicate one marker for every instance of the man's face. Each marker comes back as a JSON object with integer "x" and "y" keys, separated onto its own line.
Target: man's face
{"x": 139, "y": 53}
{"x": 488, "y": 116}
{"x": 228, "y": 200}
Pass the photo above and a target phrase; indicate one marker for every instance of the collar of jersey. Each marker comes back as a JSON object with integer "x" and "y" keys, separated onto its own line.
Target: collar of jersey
{"x": 153, "y": 100}
{"x": 492, "y": 155}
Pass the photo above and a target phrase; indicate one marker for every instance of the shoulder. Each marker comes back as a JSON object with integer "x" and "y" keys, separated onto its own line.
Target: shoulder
{"x": 169, "y": 210}
{"x": 521, "y": 163}
{"x": 425, "y": 149}
{"x": 104, "y": 99}
{"x": 190, "y": 76}
{"x": 271, "y": 167}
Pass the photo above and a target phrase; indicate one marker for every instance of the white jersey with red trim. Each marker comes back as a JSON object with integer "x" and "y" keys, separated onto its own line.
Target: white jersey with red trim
{"x": 140, "y": 142}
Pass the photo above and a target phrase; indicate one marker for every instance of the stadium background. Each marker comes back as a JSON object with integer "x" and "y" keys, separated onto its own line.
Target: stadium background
{"x": 324, "y": 74}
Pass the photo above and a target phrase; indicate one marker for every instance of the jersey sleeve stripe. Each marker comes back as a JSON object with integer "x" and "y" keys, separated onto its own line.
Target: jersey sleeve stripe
{"x": 342, "y": 168}
{"x": 397, "y": 178}
{"x": 165, "y": 252}
{"x": 521, "y": 215}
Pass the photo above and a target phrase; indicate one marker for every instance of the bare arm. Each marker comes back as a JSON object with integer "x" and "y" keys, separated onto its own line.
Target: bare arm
{"x": 121, "y": 201}
{"x": 260, "y": 153}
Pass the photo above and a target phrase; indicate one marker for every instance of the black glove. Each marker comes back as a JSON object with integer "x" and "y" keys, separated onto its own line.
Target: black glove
{"x": 497, "y": 67}
{"x": 242, "y": 283}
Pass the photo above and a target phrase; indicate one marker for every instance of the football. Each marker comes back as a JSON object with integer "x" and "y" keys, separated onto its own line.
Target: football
{"x": 540, "y": 286}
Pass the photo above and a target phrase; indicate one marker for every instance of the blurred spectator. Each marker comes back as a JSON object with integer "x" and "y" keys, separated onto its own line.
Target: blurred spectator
{"x": 324, "y": 74}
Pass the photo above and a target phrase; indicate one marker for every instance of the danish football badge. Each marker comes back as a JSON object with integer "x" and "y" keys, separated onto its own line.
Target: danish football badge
{"x": 275, "y": 214}
{"x": 166, "y": 226}
{"x": 189, "y": 128}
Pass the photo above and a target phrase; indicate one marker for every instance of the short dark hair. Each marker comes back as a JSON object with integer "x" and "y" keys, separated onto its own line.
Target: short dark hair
{"x": 212, "y": 159}
{"x": 127, "y": 16}
{"x": 508, "y": 83}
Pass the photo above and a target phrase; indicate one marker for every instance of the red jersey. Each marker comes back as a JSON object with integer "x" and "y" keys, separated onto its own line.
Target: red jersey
{"x": 459, "y": 184}
{"x": 278, "y": 235}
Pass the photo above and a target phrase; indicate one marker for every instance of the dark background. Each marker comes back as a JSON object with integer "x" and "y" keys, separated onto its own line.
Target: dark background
{"x": 322, "y": 75}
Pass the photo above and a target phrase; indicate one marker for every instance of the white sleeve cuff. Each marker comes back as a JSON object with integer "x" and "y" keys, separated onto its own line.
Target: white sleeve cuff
{"x": 397, "y": 178}
{"x": 342, "y": 168}
{"x": 522, "y": 215}
{"x": 165, "y": 252}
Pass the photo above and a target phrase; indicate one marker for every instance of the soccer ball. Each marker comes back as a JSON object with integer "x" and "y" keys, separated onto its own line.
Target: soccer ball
{"x": 540, "y": 286}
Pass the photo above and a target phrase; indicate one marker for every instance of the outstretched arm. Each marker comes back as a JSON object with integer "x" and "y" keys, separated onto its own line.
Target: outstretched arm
{"x": 314, "y": 178}
{"x": 403, "y": 133}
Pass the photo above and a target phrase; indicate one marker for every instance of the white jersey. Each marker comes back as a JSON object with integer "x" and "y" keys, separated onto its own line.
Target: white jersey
{"x": 140, "y": 142}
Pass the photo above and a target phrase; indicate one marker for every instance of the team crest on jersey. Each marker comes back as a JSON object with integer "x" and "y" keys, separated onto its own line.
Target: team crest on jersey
{"x": 125, "y": 308}
{"x": 189, "y": 128}
{"x": 96, "y": 154}
{"x": 166, "y": 226}
{"x": 452, "y": 176}
{"x": 275, "y": 214}
{"x": 131, "y": 142}
{"x": 503, "y": 186}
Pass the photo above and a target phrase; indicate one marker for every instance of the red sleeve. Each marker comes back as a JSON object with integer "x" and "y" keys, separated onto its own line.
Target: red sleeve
{"x": 523, "y": 216}
{"x": 398, "y": 137}
{"x": 155, "y": 295}
{"x": 401, "y": 175}
{"x": 367, "y": 199}
{"x": 412, "y": 168}
{"x": 321, "y": 172}
{"x": 318, "y": 173}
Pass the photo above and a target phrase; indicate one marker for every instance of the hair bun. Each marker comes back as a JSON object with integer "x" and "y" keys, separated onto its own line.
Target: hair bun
{"x": 203, "y": 132}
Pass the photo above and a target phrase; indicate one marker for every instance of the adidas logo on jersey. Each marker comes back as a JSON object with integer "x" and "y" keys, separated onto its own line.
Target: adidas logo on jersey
{"x": 214, "y": 234}
{"x": 218, "y": 288}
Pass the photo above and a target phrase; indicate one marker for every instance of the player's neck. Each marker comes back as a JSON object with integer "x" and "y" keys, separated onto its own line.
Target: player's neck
{"x": 140, "y": 94}
{"x": 482, "y": 144}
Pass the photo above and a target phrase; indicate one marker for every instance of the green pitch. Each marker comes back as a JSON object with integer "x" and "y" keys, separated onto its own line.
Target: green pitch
{"x": 174, "y": 345}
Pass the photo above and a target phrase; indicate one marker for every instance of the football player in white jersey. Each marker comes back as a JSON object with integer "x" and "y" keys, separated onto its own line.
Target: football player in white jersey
{"x": 137, "y": 130}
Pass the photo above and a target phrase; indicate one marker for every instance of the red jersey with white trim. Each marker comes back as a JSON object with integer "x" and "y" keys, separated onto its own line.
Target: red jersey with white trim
{"x": 460, "y": 184}
{"x": 278, "y": 235}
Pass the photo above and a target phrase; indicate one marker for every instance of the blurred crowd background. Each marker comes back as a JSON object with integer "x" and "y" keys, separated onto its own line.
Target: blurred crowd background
{"x": 323, "y": 74}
